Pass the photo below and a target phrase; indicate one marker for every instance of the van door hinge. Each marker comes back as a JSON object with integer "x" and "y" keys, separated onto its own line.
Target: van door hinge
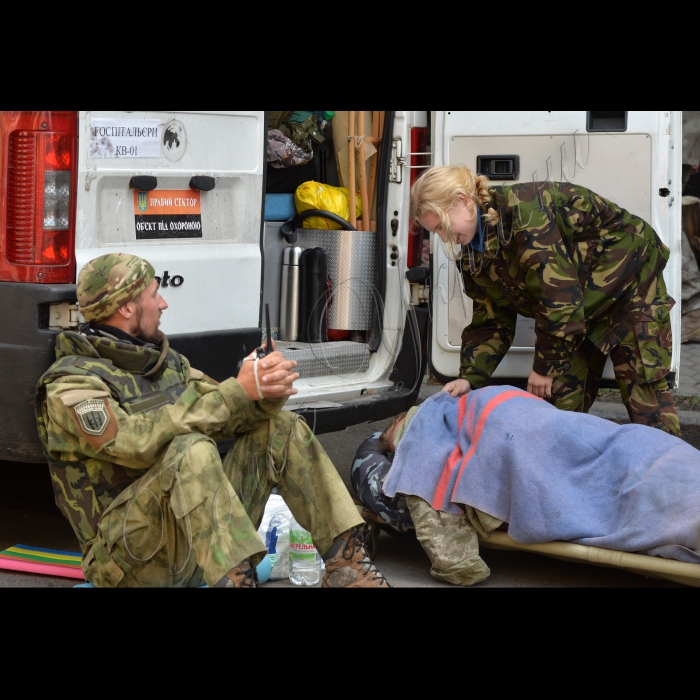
{"x": 63, "y": 317}
{"x": 399, "y": 161}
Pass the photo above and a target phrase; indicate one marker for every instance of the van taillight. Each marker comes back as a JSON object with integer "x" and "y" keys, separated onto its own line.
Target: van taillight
{"x": 38, "y": 156}
{"x": 419, "y": 144}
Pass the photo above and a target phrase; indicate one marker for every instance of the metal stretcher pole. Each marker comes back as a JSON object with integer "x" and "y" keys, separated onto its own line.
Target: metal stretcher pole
{"x": 656, "y": 567}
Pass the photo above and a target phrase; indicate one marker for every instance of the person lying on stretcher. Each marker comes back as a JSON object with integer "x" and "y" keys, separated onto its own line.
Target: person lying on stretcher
{"x": 466, "y": 466}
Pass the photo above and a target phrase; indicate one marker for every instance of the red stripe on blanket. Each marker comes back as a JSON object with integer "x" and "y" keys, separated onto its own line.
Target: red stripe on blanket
{"x": 456, "y": 454}
{"x": 441, "y": 491}
{"x": 490, "y": 406}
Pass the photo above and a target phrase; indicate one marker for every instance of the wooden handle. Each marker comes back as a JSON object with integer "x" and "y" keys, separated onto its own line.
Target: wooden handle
{"x": 376, "y": 141}
{"x": 366, "y": 213}
{"x": 352, "y": 133}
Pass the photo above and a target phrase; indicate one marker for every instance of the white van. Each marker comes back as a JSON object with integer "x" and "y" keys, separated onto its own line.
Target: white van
{"x": 187, "y": 191}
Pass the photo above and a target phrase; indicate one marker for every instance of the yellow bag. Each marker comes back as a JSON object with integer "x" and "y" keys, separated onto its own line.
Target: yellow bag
{"x": 314, "y": 195}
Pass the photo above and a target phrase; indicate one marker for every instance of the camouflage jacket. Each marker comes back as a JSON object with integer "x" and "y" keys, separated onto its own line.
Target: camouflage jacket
{"x": 107, "y": 411}
{"x": 578, "y": 264}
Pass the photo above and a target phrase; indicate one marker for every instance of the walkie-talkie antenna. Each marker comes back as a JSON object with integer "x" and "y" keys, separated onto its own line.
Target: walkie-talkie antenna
{"x": 260, "y": 351}
{"x": 267, "y": 329}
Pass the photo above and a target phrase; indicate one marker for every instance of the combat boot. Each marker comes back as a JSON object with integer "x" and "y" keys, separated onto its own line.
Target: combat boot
{"x": 242, "y": 576}
{"x": 349, "y": 566}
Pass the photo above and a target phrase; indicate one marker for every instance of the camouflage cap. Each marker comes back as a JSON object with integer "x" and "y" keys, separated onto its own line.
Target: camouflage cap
{"x": 110, "y": 281}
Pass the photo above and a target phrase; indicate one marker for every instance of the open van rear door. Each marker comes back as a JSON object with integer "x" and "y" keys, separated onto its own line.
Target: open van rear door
{"x": 183, "y": 190}
{"x": 631, "y": 158}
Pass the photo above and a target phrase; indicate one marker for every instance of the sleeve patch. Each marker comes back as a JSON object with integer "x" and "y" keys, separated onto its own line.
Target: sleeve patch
{"x": 96, "y": 421}
{"x": 92, "y": 416}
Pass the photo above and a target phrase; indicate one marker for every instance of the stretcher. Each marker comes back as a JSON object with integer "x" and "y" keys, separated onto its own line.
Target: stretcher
{"x": 642, "y": 564}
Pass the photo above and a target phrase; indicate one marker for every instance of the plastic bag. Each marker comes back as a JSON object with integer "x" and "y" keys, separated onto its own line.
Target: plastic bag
{"x": 274, "y": 532}
{"x": 314, "y": 195}
{"x": 282, "y": 152}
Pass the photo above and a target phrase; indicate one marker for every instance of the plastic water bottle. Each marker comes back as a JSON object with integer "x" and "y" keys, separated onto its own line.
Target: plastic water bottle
{"x": 271, "y": 539}
{"x": 324, "y": 120}
{"x": 304, "y": 561}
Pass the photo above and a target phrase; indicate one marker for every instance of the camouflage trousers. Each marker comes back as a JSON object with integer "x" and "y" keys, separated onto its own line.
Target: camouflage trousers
{"x": 369, "y": 469}
{"x": 452, "y": 541}
{"x": 641, "y": 361}
{"x": 192, "y": 518}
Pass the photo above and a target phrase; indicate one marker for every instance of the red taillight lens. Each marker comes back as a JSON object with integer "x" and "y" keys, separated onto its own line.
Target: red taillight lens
{"x": 37, "y": 208}
{"x": 419, "y": 144}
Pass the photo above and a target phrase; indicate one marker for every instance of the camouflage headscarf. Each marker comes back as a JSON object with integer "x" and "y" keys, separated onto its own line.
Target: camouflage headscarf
{"x": 110, "y": 281}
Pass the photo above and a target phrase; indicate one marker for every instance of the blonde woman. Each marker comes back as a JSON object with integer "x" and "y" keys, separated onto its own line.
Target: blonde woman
{"x": 587, "y": 271}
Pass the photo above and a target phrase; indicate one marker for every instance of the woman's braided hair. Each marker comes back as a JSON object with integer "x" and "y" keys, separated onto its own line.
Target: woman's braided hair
{"x": 436, "y": 192}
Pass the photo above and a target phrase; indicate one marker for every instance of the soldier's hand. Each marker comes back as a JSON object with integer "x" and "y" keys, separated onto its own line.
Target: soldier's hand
{"x": 539, "y": 385}
{"x": 458, "y": 388}
{"x": 275, "y": 374}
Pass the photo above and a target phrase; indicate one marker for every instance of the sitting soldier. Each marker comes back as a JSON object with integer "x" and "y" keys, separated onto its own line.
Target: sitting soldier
{"x": 129, "y": 427}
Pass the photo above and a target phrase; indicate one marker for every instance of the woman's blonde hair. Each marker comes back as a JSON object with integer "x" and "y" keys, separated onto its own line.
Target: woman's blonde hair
{"x": 436, "y": 192}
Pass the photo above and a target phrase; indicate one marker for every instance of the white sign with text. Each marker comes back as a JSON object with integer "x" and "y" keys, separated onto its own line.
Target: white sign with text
{"x": 125, "y": 138}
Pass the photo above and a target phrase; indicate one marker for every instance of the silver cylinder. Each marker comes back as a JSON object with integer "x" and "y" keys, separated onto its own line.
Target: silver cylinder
{"x": 352, "y": 267}
{"x": 289, "y": 295}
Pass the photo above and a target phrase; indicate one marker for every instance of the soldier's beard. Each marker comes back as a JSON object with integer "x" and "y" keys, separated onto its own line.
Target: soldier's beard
{"x": 155, "y": 338}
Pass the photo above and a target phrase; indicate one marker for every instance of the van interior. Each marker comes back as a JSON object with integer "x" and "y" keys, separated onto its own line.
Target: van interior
{"x": 323, "y": 267}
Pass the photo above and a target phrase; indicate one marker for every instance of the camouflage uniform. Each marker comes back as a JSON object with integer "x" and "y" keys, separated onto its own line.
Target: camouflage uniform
{"x": 590, "y": 274}
{"x": 369, "y": 468}
{"x": 129, "y": 433}
{"x": 452, "y": 541}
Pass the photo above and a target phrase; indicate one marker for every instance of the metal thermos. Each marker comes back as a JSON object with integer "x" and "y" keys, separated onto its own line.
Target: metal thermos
{"x": 313, "y": 296}
{"x": 289, "y": 296}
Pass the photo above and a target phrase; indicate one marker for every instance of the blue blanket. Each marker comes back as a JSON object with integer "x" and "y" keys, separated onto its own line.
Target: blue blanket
{"x": 551, "y": 474}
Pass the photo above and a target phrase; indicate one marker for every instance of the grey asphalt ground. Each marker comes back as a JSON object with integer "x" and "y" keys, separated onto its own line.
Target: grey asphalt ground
{"x": 689, "y": 375}
{"x": 29, "y": 516}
